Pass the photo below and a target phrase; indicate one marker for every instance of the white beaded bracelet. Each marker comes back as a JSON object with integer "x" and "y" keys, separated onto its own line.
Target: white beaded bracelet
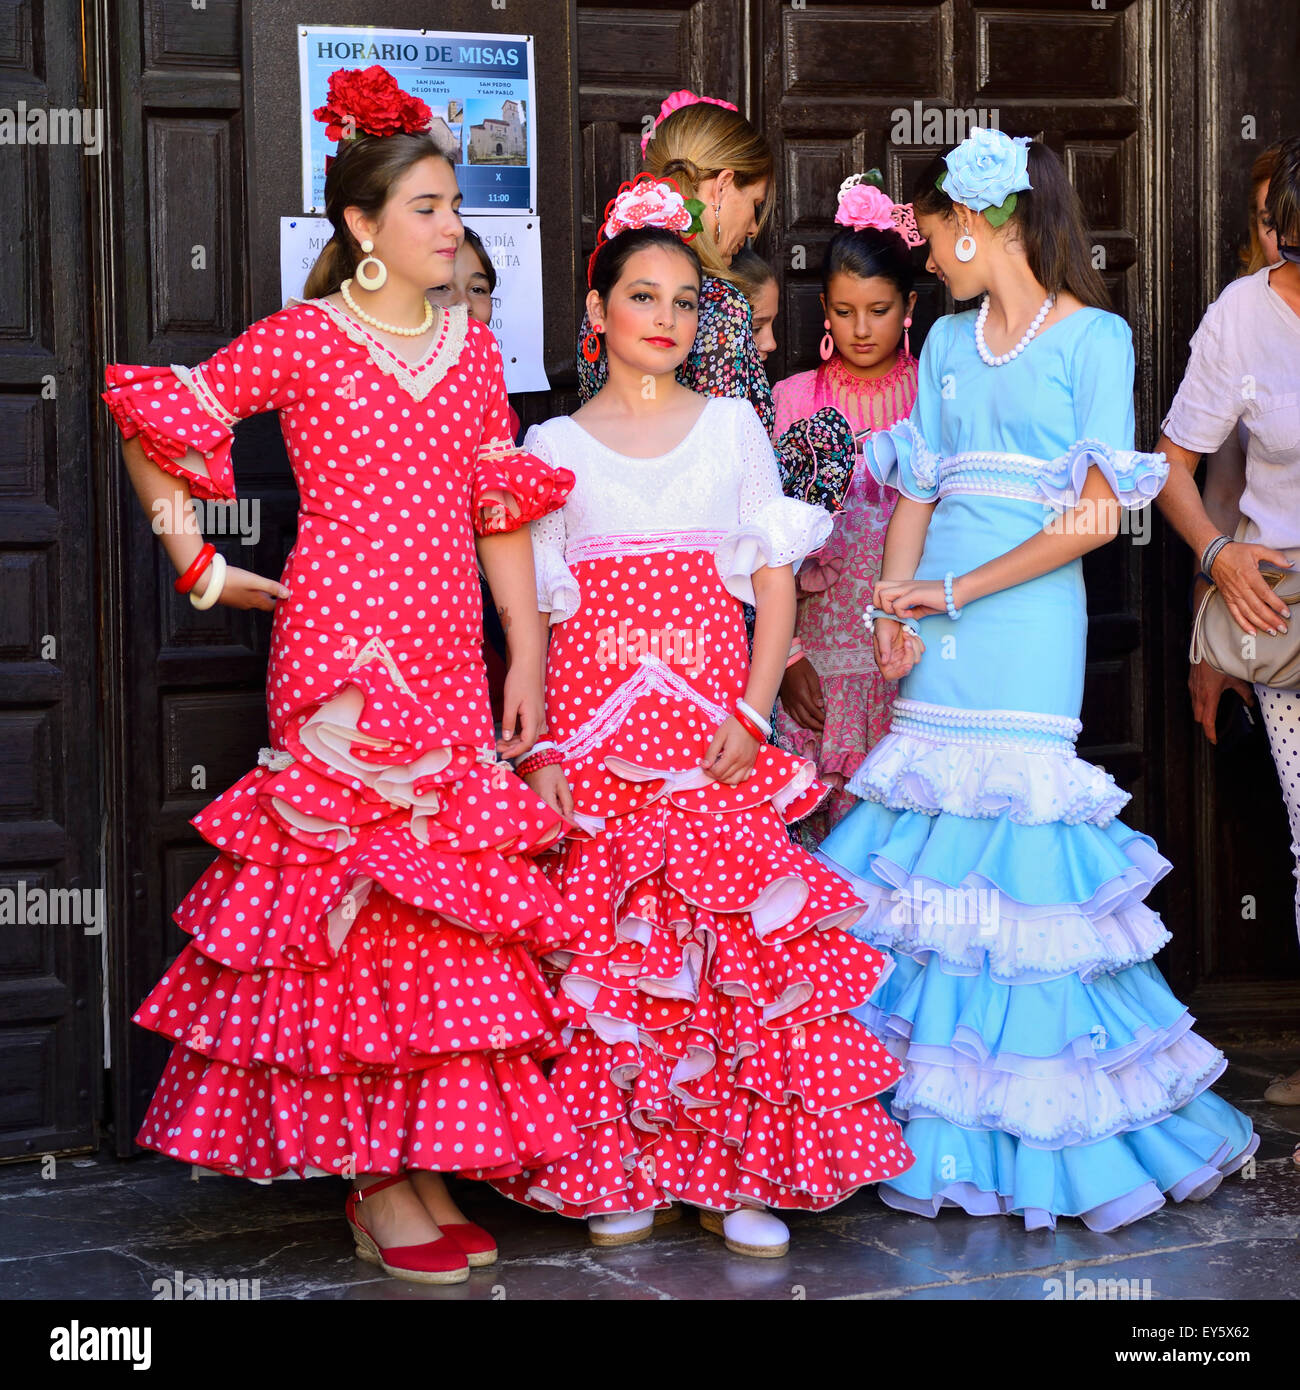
{"x": 872, "y": 613}
{"x": 216, "y": 582}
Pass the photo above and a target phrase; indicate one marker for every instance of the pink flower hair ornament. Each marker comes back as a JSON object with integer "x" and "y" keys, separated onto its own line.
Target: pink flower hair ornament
{"x": 646, "y": 201}
{"x": 862, "y": 205}
{"x": 675, "y": 102}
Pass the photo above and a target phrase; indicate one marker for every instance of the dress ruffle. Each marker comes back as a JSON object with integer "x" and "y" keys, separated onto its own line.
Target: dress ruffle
{"x": 512, "y": 488}
{"x": 713, "y": 1058}
{"x": 817, "y": 455}
{"x": 899, "y": 457}
{"x": 558, "y": 591}
{"x": 918, "y": 774}
{"x": 782, "y": 532}
{"x": 1134, "y": 477}
{"x": 162, "y": 406}
{"x": 1049, "y": 1069}
{"x": 364, "y": 947}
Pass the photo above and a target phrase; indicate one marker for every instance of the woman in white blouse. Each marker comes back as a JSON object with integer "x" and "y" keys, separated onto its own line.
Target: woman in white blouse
{"x": 1245, "y": 368}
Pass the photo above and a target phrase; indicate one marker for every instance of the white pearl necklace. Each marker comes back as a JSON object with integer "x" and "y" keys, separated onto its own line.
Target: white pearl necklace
{"x": 983, "y": 348}
{"x": 379, "y": 323}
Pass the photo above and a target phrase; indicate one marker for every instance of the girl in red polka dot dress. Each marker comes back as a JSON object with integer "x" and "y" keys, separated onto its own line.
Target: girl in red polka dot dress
{"x": 712, "y": 1058}
{"x": 360, "y": 995}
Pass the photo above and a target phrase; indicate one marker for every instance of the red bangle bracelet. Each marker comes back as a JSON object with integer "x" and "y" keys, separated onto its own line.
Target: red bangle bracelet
{"x": 536, "y": 761}
{"x": 191, "y": 576}
{"x": 749, "y": 726}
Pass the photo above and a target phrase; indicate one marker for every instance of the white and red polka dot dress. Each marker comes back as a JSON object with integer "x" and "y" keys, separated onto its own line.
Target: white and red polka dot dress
{"x": 361, "y": 993}
{"x": 712, "y": 1058}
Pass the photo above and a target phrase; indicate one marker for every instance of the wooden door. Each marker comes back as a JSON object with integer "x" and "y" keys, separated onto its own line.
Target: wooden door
{"x": 53, "y": 927}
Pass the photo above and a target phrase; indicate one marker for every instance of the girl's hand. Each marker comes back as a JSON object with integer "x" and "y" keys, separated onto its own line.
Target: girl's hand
{"x": 244, "y": 589}
{"x": 523, "y": 709}
{"x": 911, "y": 598}
{"x": 552, "y": 786}
{"x": 802, "y": 697}
{"x": 897, "y": 651}
{"x": 731, "y": 755}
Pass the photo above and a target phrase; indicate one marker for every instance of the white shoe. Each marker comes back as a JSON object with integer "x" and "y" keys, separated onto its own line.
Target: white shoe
{"x": 620, "y": 1228}
{"x": 749, "y": 1231}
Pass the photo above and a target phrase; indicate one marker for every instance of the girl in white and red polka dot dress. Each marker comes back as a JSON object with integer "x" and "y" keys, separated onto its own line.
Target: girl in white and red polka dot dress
{"x": 713, "y": 1059}
{"x": 360, "y": 995}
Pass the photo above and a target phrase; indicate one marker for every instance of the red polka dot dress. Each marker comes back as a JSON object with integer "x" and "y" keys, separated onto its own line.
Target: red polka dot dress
{"x": 361, "y": 992}
{"x": 712, "y": 1057}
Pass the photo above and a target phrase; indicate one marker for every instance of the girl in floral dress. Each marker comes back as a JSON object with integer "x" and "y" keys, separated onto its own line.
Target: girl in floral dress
{"x": 834, "y": 702}
{"x": 360, "y": 995}
{"x": 713, "y": 1059}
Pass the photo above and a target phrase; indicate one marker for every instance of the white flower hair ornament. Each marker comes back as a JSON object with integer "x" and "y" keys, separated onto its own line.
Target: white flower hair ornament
{"x": 648, "y": 202}
{"x": 986, "y": 171}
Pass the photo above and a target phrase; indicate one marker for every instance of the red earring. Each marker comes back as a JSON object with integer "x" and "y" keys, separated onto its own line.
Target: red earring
{"x": 827, "y": 348}
{"x": 591, "y": 345}
{"x": 907, "y": 346}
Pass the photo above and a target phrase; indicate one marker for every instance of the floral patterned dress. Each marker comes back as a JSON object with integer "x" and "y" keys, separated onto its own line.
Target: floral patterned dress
{"x": 836, "y": 585}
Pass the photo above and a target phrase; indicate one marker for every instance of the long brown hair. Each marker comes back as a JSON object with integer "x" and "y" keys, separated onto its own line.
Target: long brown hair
{"x": 696, "y": 143}
{"x": 362, "y": 175}
{"x": 1048, "y": 222}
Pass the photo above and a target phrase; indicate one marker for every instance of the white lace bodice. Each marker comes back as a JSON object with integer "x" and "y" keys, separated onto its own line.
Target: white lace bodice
{"x": 719, "y": 488}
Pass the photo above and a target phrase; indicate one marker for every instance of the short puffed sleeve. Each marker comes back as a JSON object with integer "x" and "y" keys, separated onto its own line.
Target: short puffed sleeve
{"x": 1101, "y": 381}
{"x": 184, "y": 415}
{"x": 773, "y": 529}
{"x": 512, "y": 486}
{"x": 906, "y": 456}
{"x": 557, "y": 588}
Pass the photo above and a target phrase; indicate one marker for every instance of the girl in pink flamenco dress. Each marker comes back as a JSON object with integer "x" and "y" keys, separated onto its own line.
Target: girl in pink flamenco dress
{"x": 361, "y": 995}
{"x": 835, "y": 705}
{"x": 713, "y": 1060}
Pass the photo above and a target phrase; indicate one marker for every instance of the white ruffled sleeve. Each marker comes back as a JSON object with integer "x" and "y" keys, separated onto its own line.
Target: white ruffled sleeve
{"x": 774, "y": 530}
{"x": 557, "y": 589}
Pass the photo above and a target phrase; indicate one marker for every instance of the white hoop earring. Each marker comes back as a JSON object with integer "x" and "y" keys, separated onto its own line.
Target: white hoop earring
{"x": 371, "y": 272}
{"x": 965, "y": 248}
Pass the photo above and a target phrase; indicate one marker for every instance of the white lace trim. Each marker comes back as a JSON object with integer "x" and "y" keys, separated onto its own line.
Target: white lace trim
{"x": 641, "y": 543}
{"x": 202, "y": 393}
{"x": 653, "y": 676}
{"x": 417, "y": 382}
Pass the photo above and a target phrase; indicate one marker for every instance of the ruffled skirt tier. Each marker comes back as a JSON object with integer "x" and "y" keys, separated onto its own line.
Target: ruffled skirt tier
{"x": 361, "y": 990}
{"x": 1049, "y": 1070}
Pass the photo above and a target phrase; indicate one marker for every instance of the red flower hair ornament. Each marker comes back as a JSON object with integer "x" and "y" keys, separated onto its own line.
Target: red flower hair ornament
{"x": 646, "y": 201}
{"x": 368, "y": 101}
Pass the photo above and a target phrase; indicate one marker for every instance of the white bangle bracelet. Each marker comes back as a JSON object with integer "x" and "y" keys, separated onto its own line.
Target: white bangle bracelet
{"x": 216, "y": 582}
{"x": 751, "y": 713}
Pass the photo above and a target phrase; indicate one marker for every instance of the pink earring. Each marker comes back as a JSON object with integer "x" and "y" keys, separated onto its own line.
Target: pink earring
{"x": 827, "y": 348}
{"x": 907, "y": 346}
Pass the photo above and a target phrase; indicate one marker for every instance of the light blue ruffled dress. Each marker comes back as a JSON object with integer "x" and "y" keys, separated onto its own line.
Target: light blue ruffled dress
{"x": 1049, "y": 1069}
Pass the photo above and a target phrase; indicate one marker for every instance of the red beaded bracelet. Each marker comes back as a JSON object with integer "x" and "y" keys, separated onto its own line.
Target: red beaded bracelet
{"x": 749, "y": 726}
{"x": 191, "y": 576}
{"x": 534, "y": 762}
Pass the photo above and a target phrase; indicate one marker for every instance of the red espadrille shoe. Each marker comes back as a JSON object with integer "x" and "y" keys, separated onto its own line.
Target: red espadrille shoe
{"x": 440, "y": 1261}
{"x": 479, "y": 1247}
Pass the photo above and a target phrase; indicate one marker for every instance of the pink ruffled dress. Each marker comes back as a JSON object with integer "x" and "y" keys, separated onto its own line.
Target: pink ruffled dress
{"x": 837, "y": 583}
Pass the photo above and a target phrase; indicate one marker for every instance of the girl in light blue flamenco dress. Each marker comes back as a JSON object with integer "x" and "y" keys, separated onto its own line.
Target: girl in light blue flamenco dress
{"x": 1049, "y": 1070}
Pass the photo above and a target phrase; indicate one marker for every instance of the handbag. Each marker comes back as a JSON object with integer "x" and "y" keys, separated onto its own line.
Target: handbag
{"x": 1260, "y": 660}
